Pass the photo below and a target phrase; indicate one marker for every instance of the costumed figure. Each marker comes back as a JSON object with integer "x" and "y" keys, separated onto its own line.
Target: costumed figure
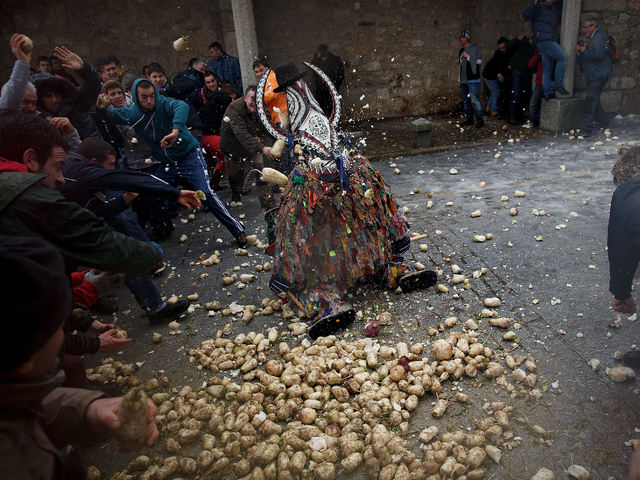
{"x": 338, "y": 222}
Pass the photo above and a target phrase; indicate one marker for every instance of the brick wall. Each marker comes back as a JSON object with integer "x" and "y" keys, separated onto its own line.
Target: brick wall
{"x": 400, "y": 54}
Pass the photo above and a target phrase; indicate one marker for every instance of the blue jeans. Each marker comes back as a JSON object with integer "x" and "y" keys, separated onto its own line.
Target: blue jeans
{"x": 193, "y": 169}
{"x": 550, "y": 51}
{"x": 143, "y": 289}
{"x": 495, "y": 94}
{"x": 469, "y": 96}
{"x": 534, "y": 105}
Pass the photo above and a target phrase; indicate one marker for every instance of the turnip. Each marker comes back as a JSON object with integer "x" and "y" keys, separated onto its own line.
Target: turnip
{"x": 181, "y": 44}
{"x": 544, "y": 474}
{"x": 133, "y": 416}
{"x": 273, "y": 176}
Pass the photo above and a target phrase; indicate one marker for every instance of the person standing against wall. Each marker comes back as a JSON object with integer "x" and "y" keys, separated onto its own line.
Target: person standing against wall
{"x": 470, "y": 78}
{"x": 597, "y": 67}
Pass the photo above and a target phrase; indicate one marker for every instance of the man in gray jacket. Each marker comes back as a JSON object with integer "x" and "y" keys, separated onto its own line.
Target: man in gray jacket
{"x": 470, "y": 78}
{"x": 597, "y": 67}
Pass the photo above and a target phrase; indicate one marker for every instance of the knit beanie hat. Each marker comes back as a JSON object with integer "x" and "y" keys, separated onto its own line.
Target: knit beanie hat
{"x": 35, "y": 294}
{"x": 111, "y": 84}
{"x": 466, "y": 34}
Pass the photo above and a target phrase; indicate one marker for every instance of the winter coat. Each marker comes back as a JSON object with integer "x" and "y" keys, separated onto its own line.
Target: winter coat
{"x": 332, "y": 66}
{"x": 35, "y": 420}
{"x": 212, "y": 112}
{"x": 237, "y": 137}
{"x": 28, "y": 208}
{"x": 544, "y": 22}
{"x": 77, "y": 102}
{"x": 470, "y": 67}
{"x": 623, "y": 239}
{"x": 499, "y": 64}
{"x": 595, "y": 60}
{"x": 520, "y": 52}
{"x": 153, "y": 127}
{"x": 86, "y": 182}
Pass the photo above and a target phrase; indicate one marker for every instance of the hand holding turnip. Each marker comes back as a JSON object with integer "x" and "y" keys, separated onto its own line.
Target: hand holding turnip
{"x": 99, "y": 327}
{"x": 20, "y": 47}
{"x": 68, "y": 58}
{"x": 62, "y": 124}
{"x": 109, "y": 343}
{"x": 266, "y": 151}
{"x": 188, "y": 199}
{"x": 102, "y": 417}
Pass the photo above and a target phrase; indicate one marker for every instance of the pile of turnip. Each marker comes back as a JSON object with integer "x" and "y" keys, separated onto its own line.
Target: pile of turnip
{"x": 319, "y": 409}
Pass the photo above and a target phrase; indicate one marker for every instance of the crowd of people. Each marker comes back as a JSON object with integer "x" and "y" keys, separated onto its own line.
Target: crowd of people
{"x": 508, "y": 74}
{"x": 88, "y": 159}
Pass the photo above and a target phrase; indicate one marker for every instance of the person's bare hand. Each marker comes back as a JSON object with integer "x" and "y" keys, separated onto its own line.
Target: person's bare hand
{"x": 266, "y": 151}
{"x": 62, "y": 124}
{"x": 130, "y": 197}
{"x": 102, "y": 417}
{"x": 68, "y": 58}
{"x": 17, "y": 43}
{"x": 634, "y": 470}
{"x": 108, "y": 343}
{"x": 580, "y": 49}
{"x": 520, "y": 37}
{"x": 627, "y": 306}
{"x": 500, "y": 78}
{"x": 99, "y": 327}
{"x": 188, "y": 198}
{"x": 169, "y": 140}
{"x": 465, "y": 54}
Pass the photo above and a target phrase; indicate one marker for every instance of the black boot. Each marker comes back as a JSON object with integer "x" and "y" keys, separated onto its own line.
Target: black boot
{"x": 215, "y": 181}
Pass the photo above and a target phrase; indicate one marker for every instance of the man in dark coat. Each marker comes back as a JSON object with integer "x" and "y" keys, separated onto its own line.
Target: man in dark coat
{"x": 57, "y": 97}
{"x": 331, "y": 65}
{"x": 241, "y": 143}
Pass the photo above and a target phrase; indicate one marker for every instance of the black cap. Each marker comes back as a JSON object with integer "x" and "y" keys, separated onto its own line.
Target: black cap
{"x": 287, "y": 74}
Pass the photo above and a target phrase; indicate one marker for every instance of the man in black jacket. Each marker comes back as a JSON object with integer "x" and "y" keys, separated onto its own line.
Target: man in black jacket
{"x": 331, "y": 65}
{"x": 57, "y": 97}
{"x": 623, "y": 239}
{"x": 90, "y": 180}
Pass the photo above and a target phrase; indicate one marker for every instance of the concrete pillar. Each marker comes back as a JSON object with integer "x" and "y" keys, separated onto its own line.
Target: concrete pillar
{"x": 246, "y": 38}
{"x": 569, "y": 38}
{"x": 564, "y": 113}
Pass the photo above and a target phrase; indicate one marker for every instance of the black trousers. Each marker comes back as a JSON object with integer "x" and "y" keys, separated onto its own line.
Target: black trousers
{"x": 592, "y": 108}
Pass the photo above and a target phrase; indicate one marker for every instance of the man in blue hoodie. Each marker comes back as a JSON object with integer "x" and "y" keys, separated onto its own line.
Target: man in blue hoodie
{"x": 544, "y": 23}
{"x": 160, "y": 123}
{"x": 597, "y": 67}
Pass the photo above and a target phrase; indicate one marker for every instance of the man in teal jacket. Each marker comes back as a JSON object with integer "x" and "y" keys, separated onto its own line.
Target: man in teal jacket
{"x": 161, "y": 123}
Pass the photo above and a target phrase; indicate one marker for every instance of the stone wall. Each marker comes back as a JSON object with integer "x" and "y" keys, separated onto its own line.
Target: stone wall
{"x": 400, "y": 55}
{"x": 620, "y": 19}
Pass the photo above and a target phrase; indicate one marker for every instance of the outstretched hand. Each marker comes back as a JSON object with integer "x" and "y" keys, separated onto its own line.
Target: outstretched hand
{"x": 188, "y": 198}
{"x": 102, "y": 417}
{"x": 68, "y": 58}
{"x": 109, "y": 343}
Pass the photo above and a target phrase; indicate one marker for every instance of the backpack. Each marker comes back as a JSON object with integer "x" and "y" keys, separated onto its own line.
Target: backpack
{"x": 614, "y": 51}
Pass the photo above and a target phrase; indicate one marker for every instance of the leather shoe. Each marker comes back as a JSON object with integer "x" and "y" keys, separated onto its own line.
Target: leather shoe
{"x": 169, "y": 312}
{"x": 550, "y": 96}
{"x": 105, "y": 305}
{"x": 561, "y": 90}
{"x": 480, "y": 124}
{"x": 513, "y": 121}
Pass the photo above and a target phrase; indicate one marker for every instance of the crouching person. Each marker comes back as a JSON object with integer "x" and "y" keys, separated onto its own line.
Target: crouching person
{"x": 36, "y": 415}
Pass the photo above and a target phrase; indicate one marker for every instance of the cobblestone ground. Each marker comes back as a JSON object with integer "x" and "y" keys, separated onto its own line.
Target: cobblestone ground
{"x": 556, "y": 288}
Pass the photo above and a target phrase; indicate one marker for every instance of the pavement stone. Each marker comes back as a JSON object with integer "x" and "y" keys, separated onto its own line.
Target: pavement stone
{"x": 588, "y": 417}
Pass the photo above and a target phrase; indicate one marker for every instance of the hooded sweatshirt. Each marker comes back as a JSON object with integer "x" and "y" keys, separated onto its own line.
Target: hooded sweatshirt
{"x": 152, "y": 127}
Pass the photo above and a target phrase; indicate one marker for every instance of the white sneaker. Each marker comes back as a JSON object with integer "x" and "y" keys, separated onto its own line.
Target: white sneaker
{"x": 527, "y": 124}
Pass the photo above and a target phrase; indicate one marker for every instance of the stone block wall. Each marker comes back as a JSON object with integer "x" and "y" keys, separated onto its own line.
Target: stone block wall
{"x": 620, "y": 19}
{"x": 400, "y": 55}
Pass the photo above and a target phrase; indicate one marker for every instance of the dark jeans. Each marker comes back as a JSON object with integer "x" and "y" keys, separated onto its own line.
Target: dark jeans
{"x": 143, "y": 289}
{"x": 471, "y": 99}
{"x": 534, "y": 105}
{"x": 592, "y": 107}
{"x": 193, "y": 169}
{"x": 520, "y": 89}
